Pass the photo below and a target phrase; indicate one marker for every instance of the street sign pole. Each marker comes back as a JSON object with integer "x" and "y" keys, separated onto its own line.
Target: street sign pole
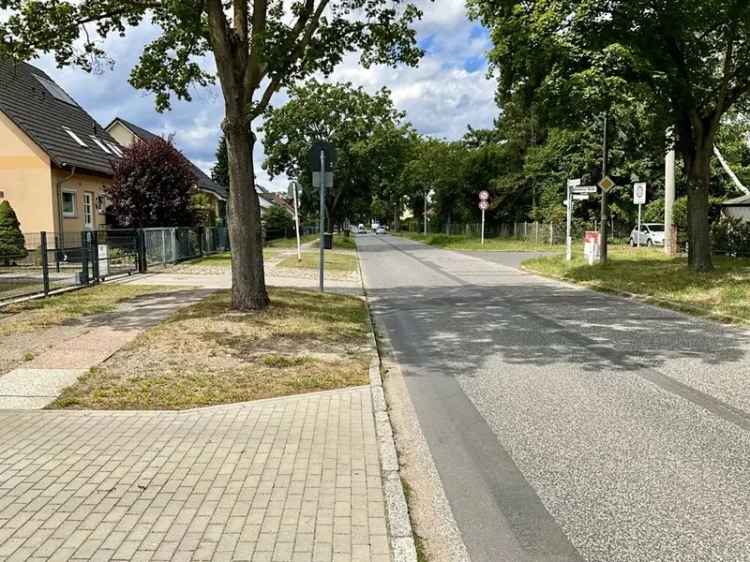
{"x": 568, "y": 226}
{"x": 639, "y": 225}
{"x": 294, "y": 185}
{"x": 482, "y": 227}
{"x": 322, "y": 216}
{"x": 604, "y": 208}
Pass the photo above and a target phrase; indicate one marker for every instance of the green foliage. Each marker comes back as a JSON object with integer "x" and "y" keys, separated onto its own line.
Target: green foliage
{"x": 365, "y": 129}
{"x": 220, "y": 171}
{"x": 278, "y": 222}
{"x": 12, "y": 243}
{"x": 204, "y": 210}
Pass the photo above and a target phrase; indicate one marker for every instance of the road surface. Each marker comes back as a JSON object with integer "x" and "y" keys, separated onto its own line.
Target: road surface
{"x": 568, "y": 425}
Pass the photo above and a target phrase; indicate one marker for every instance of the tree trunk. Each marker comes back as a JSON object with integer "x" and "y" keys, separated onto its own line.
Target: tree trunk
{"x": 245, "y": 233}
{"x": 698, "y": 166}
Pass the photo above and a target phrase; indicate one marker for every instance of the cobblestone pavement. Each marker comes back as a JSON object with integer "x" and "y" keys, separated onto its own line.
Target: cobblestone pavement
{"x": 285, "y": 479}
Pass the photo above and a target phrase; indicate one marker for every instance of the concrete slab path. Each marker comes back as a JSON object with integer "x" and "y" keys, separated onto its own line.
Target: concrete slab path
{"x": 286, "y": 479}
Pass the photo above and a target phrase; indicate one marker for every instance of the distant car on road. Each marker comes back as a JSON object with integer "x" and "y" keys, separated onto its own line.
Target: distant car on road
{"x": 651, "y": 234}
{"x": 380, "y": 230}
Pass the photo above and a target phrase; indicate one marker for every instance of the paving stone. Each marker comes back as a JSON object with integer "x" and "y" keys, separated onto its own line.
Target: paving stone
{"x": 281, "y": 479}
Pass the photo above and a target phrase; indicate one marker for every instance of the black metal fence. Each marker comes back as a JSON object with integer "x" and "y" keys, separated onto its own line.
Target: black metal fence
{"x": 47, "y": 262}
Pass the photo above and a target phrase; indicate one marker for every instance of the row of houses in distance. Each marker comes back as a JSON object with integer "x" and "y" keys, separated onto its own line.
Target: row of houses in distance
{"x": 56, "y": 160}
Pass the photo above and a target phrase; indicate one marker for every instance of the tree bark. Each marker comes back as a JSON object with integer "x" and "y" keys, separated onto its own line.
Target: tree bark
{"x": 699, "y": 235}
{"x": 245, "y": 233}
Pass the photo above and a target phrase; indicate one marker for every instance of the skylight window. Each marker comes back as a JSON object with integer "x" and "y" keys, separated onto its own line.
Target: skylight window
{"x": 100, "y": 144}
{"x": 55, "y": 91}
{"x": 75, "y": 137}
{"x": 114, "y": 148}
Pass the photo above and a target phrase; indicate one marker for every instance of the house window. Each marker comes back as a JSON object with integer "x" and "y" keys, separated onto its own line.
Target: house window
{"x": 75, "y": 137}
{"x": 69, "y": 203}
{"x": 100, "y": 144}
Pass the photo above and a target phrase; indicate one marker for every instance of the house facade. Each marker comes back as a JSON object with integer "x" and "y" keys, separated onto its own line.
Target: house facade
{"x": 126, "y": 133}
{"x": 55, "y": 159}
{"x": 738, "y": 208}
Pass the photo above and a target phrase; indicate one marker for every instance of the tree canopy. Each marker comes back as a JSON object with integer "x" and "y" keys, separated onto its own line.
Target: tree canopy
{"x": 687, "y": 61}
{"x": 258, "y": 47}
{"x": 366, "y": 130}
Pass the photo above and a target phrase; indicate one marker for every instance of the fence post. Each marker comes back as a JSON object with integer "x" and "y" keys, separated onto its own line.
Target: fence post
{"x": 164, "y": 247}
{"x": 174, "y": 245}
{"x": 94, "y": 244}
{"x": 84, "y": 259}
{"x": 551, "y": 235}
{"x": 140, "y": 248}
{"x": 45, "y": 263}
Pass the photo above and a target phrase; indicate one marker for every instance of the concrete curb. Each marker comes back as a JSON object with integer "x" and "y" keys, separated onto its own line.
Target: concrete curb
{"x": 403, "y": 547}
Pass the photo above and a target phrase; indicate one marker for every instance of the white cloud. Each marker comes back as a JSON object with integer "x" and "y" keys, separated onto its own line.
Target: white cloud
{"x": 447, "y": 92}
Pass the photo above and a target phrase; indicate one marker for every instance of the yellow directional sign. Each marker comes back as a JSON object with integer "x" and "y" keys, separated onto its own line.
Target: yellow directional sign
{"x": 606, "y": 183}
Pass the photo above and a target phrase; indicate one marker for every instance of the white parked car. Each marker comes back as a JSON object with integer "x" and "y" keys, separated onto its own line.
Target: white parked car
{"x": 380, "y": 230}
{"x": 651, "y": 234}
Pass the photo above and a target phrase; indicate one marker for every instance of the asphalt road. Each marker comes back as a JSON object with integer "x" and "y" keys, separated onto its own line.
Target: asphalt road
{"x": 566, "y": 424}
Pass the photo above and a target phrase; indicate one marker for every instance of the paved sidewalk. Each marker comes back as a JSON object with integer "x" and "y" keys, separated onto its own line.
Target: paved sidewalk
{"x": 286, "y": 479}
{"x": 40, "y": 380}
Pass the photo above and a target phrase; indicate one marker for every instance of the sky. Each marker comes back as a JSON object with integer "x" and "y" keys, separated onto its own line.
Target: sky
{"x": 448, "y": 91}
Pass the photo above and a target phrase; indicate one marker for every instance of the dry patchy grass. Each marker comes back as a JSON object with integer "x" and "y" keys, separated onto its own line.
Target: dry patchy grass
{"x": 343, "y": 262}
{"x": 59, "y": 309}
{"x": 207, "y": 354}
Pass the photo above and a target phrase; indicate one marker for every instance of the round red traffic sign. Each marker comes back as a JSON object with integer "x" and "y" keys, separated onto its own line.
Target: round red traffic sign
{"x": 484, "y": 205}
{"x": 484, "y": 195}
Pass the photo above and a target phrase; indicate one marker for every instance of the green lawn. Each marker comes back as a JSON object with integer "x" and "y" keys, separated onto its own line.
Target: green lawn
{"x": 723, "y": 294}
{"x": 469, "y": 243}
{"x": 333, "y": 261}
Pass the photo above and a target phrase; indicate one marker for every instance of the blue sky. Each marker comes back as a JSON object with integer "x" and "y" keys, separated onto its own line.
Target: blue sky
{"x": 448, "y": 91}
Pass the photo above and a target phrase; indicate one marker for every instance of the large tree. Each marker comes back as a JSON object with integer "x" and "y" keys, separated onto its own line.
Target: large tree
{"x": 258, "y": 46}
{"x": 358, "y": 124}
{"x": 688, "y": 59}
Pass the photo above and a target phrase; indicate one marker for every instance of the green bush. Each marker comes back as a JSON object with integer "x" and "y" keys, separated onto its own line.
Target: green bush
{"x": 12, "y": 242}
{"x": 731, "y": 237}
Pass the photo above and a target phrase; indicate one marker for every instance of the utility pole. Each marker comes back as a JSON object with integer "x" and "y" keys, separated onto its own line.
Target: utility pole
{"x": 604, "y": 209}
{"x": 669, "y": 193}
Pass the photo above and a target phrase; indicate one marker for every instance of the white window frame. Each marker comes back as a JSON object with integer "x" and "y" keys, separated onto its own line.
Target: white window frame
{"x": 114, "y": 148}
{"x": 88, "y": 210}
{"x": 69, "y": 214}
{"x": 100, "y": 144}
{"x": 75, "y": 137}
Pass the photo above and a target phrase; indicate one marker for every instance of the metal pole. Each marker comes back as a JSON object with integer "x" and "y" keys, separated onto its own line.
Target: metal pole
{"x": 482, "y": 227}
{"x": 639, "y": 225}
{"x": 322, "y": 216}
{"x": 568, "y": 227}
{"x": 425, "y": 212}
{"x": 604, "y": 209}
{"x": 669, "y": 195}
{"x": 45, "y": 263}
{"x": 296, "y": 222}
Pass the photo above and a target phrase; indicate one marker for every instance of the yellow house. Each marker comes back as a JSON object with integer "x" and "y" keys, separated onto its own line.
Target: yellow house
{"x": 55, "y": 159}
{"x": 126, "y": 133}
